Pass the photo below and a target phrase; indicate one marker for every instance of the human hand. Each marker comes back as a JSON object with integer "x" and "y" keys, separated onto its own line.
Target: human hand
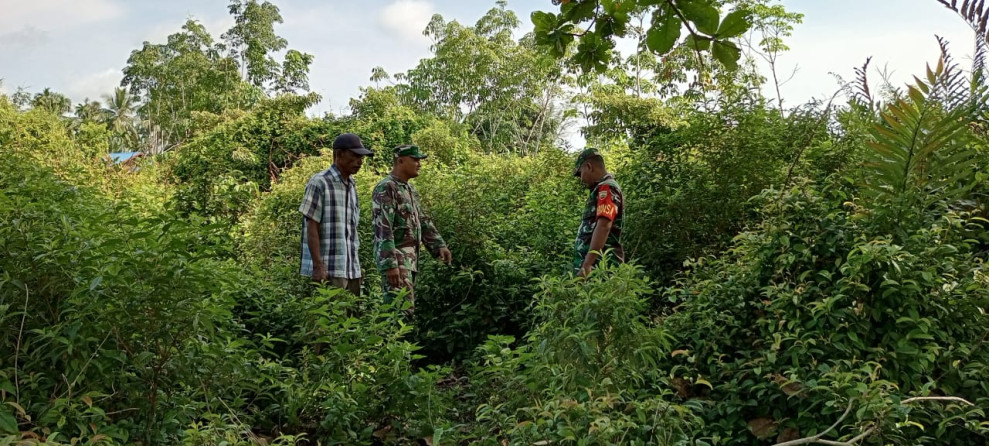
{"x": 585, "y": 270}
{"x": 319, "y": 273}
{"x": 394, "y": 277}
{"x": 446, "y": 256}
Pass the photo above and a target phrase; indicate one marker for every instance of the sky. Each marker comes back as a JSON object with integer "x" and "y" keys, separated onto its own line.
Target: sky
{"x": 79, "y": 47}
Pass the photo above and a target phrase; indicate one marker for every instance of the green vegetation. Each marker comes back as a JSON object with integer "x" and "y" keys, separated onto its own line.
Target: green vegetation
{"x": 808, "y": 273}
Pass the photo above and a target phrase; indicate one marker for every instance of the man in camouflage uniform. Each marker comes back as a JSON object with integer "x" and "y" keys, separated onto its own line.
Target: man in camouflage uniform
{"x": 400, "y": 225}
{"x": 601, "y": 224}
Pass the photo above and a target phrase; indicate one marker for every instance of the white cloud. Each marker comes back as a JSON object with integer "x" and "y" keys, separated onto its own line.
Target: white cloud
{"x": 27, "y": 37}
{"x": 50, "y": 15}
{"x": 407, "y": 18}
{"x": 95, "y": 85}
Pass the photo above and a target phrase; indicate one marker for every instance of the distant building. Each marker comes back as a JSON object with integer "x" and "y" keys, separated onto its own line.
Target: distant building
{"x": 126, "y": 160}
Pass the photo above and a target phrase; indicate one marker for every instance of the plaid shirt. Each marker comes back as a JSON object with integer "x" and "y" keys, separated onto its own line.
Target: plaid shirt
{"x": 332, "y": 202}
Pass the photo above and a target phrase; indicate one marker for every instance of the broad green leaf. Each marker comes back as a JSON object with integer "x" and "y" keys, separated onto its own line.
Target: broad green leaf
{"x": 735, "y": 24}
{"x": 664, "y": 33}
{"x": 726, "y": 53}
{"x": 702, "y": 14}
{"x": 577, "y": 11}
{"x": 8, "y": 424}
{"x": 544, "y": 21}
{"x": 695, "y": 43}
{"x": 593, "y": 52}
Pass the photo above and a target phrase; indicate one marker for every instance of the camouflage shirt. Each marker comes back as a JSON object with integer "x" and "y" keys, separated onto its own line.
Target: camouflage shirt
{"x": 605, "y": 200}
{"x": 400, "y": 226}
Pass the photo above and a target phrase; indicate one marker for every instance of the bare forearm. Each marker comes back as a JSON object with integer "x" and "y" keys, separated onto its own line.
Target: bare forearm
{"x": 598, "y": 239}
{"x": 312, "y": 240}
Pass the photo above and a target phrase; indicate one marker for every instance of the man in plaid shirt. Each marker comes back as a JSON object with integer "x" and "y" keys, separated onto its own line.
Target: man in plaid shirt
{"x": 331, "y": 212}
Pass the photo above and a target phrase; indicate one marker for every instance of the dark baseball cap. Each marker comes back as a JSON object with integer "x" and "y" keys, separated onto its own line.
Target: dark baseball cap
{"x": 352, "y": 142}
{"x": 584, "y": 155}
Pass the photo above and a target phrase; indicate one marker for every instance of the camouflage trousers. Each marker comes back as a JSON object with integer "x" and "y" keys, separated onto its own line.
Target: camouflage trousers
{"x": 390, "y": 292}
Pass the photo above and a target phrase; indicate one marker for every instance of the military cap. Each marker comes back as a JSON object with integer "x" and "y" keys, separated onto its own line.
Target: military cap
{"x": 584, "y": 155}
{"x": 409, "y": 150}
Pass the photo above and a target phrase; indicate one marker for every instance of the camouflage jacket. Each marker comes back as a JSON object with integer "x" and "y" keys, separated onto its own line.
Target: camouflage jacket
{"x": 400, "y": 226}
{"x": 605, "y": 200}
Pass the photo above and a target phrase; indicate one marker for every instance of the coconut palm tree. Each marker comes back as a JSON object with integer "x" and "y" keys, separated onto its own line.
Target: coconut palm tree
{"x": 51, "y": 101}
{"x": 121, "y": 115}
{"x": 90, "y": 111}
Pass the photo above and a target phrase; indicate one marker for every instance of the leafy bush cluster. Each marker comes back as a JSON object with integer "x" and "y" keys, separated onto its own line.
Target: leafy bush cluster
{"x": 501, "y": 217}
{"x": 817, "y": 274}
{"x": 123, "y": 327}
{"x": 815, "y": 310}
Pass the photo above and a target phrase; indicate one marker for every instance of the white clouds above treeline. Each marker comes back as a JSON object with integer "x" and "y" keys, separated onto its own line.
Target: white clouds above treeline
{"x": 95, "y": 85}
{"x": 407, "y": 18}
{"x": 78, "y": 47}
{"x": 35, "y": 17}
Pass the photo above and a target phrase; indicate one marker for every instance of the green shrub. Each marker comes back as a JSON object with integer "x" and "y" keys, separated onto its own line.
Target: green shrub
{"x": 506, "y": 219}
{"x": 586, "y": 373}
{"x": 815, "y": 308}
{"x": 688, "y": 188}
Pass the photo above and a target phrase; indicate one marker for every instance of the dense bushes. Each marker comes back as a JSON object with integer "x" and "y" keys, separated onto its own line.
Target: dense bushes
{"x": 503, "y": 217}
{"x": 688, "y": 187}
{"x": 85, "y": 280}
{"x": 835, "y": 272}
{"x": 124, "y": 328}
{"x": 815, "y": 309}
{"x": 586, "y": 373}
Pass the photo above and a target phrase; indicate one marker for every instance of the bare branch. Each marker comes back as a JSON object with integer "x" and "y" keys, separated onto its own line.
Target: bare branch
{"x": 690, "y": 29}
{"x": 937, "y": 398}
{"x": 816, "y": 438}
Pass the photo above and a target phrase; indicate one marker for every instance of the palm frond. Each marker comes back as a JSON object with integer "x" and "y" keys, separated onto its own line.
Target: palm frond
{"x": 974, "y": 12}
{"x": 923, "y": 142}
{"x": 950, "y": 88}
{"x": 980, "y": 77}
{"x": 861, "y": 93}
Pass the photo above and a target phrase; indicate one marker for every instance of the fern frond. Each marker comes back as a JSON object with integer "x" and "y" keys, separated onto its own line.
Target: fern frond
{"x": 951, "y": 87}
{"x": 974, "y": 12}
{"x": 980, "y": 75}
{"x": 979, "y": 61}
{"x": 862, "y": 93}
{"x": 923, "y": 141}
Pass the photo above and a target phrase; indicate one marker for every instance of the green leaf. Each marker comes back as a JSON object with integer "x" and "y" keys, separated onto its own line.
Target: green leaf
{"x": 544, "y": 21}
{"x": 593, "y": 52}
{"x": 703, "y": 14}
{"x": 735, "y": 24}
{"x": 577, "y": 11}
{"x": 694, "y": 43}
{"x": 726, "y": 53}
{"x": 664, "y": 33}
{"x": 8, "y": 424}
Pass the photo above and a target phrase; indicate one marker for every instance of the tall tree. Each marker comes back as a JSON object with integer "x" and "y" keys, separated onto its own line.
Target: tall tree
{"x": 121, "y": 116}
{"x": 252, "y": 39}
{"x": 189, "y": 73}
{"x": 295, "y": 73}
{"x": 506, "y": 91}
{"x": 90, "y": 111}
{"x": 52, "y": 102}
{"x": 21, "y": 98}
